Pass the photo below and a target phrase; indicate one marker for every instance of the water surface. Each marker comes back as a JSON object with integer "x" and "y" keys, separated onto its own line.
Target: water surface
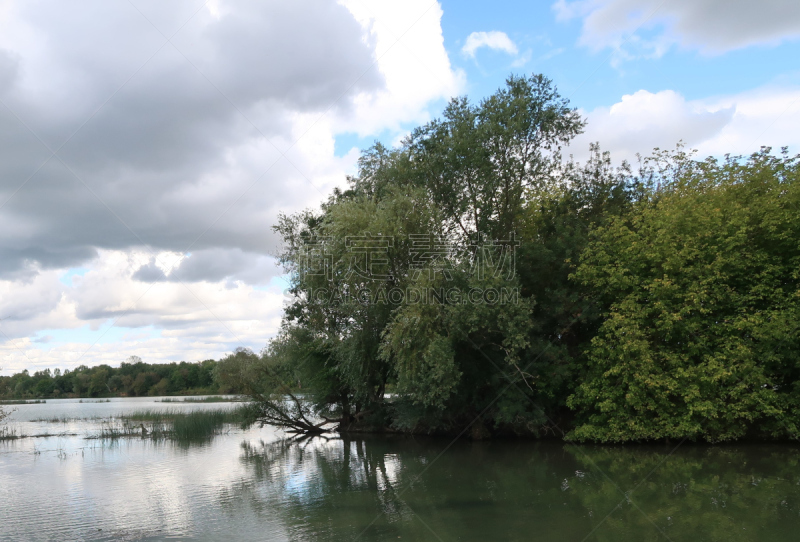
{"x": 254, "y": 485}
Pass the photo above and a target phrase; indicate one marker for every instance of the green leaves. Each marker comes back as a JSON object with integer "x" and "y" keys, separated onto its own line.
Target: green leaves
{"x": 701, "y": 286}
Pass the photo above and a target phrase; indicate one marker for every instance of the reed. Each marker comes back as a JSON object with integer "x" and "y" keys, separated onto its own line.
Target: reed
{"x": 198, "y": 425}
{"x": 235, "y": 415}
{"x": 183, "y": 427}
{"x": 186, "y": 427}
{"x": 212, "y": 399}
{"x": 67, "y": 419}
{"x": 151, "y": 415}
{"x": 9, "y": 433}
{"x": 117, "y": 430}
{"x": 53, "y": 419}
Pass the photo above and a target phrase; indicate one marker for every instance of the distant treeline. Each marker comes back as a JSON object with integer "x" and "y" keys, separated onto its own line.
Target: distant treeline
{"x": 132, "y": 378}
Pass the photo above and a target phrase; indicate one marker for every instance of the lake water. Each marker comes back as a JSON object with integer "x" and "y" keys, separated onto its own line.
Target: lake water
{"x": 253, "y": 485}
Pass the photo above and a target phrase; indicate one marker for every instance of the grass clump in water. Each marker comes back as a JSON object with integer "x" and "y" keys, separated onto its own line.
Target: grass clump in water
{"x": 54, "y": 419}
{"x": 112, "y": 431}
{"x": 235, "y": 415}
{"x": 199, "y": 425}
{"x": 194, "y": 426}
{"x": 151, "y": 415}
{"x": 211, "y": 399}
{"x": 8, "y": 433}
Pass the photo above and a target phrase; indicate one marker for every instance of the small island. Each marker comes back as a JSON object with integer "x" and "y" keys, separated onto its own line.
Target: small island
{"x": 474, "y": 282}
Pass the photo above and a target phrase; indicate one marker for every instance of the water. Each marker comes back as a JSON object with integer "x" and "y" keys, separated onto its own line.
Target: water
{"x": 253, "y": 485}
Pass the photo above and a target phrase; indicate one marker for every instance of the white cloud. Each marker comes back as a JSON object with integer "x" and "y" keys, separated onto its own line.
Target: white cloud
{"x": 644, "y": 120}
{"x": 192, "y": 320}
{"x": 710, "y": 26}
{"x": 409, "y": 47}
{"x": 764, "y": 117}
{"x": 523, "y": 59}
{"x": 498, "y": 41}
{"x": 735, "y": 124}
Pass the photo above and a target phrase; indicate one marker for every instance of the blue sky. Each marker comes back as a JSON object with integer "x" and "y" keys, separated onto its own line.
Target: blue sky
{"x": 590, "y": 77}
{"x": 151, "y": 233}
{"x": 649, "y": 55}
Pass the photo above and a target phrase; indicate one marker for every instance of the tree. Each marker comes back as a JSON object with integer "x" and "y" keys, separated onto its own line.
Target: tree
{"x": 80, "y": 382}
{"x": 44, "y": 387}
{"x": 274, "y": 386}
{"x": 700, "y": 339}
{"x": 461, "y": 181}
{"x": 98, "y": 383}
{"x": 143, "y": 382}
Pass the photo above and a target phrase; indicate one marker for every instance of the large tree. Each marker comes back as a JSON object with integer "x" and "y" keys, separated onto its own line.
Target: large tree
{"x": 459, "y": 183}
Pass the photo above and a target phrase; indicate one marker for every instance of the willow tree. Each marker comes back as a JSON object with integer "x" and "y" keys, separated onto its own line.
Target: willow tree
{"x": 438, "y": 214}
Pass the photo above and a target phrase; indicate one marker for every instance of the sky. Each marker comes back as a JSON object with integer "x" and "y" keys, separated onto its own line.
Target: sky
{"x": 147, "y": 147}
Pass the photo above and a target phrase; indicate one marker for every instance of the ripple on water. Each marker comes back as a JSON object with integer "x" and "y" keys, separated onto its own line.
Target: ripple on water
{"x": 234, "y": 487}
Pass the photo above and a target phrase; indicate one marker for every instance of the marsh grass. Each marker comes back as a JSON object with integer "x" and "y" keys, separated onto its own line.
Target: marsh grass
{"x": 201, "y": 425}
{"x": 125, "y": 429}
{"x": 163, "y": 415}
{"x": 9, "y": 433}
{"x": 54, "y": 419}
{"x": 234, "y": 415}
{"x": 159, "y": 424}
{"x": 22, "y": 402}
{"x": 212, "y": 399}
{"x": 67, "y": 419}
{"x": 186, "y": 427}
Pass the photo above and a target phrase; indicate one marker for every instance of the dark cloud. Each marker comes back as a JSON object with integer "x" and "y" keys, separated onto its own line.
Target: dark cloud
{"x": 214, "y": 265}
{"x": 155, "y": 163}
{"x": 9, "y": 66}
{"x": 712, "y": 26}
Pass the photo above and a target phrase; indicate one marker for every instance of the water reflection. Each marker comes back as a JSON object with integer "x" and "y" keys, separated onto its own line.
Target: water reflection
{"x": 251, "y": 484}
{"x": 385, "y": 488}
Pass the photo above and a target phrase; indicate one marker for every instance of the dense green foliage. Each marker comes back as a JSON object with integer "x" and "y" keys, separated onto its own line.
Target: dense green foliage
{"x": 642, "y": 304}
{"x": 133, "y": 378}
{"x": 701, "y": 281}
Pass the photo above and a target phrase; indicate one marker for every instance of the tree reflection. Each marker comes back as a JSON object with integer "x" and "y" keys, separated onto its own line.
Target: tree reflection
{"x": 698, "y": 493}
{"x": 383, "y": 488}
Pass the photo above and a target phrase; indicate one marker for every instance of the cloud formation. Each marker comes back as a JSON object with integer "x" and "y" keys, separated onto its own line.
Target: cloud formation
{"x": 709, "y": 26}
{"x": 644, "y": 120}
{"x": 497, "y": 41}
{"x": 154, "y": 142}
{"x": 182, "y": 129}
{"x": 735, "y": 124}
{"x": 212, "y": 265}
